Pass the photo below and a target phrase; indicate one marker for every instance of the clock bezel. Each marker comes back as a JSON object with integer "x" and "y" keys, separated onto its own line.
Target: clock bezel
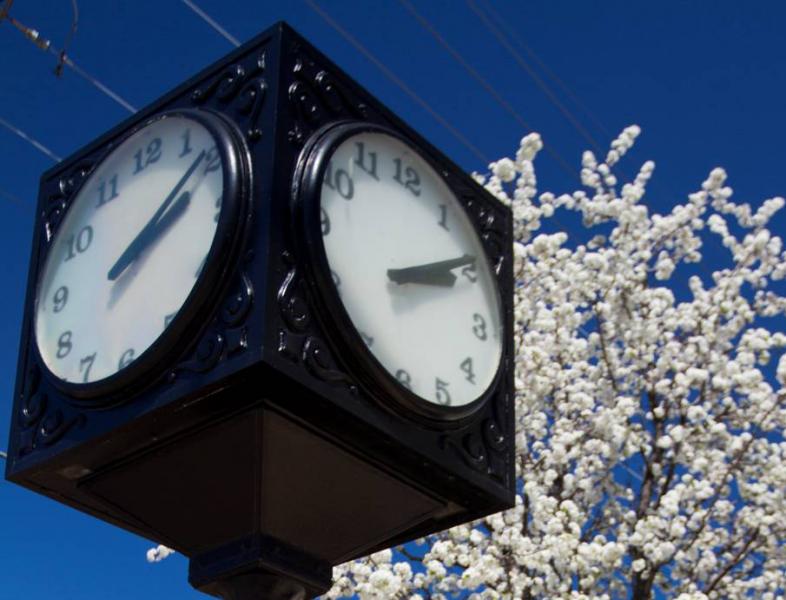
{"x": 332, "y": 314}
{"x": 157, "y": 357}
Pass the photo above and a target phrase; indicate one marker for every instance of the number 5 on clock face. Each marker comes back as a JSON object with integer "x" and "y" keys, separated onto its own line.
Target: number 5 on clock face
{"x": 410, "y": 269}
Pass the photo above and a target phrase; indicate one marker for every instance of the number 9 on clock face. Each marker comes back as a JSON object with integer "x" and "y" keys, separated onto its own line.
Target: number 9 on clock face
{"x": 130, "y": 249}
{"x": 410, "y": 270}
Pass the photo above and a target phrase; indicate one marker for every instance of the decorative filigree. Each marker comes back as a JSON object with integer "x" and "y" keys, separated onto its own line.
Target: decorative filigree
{"x": 315, "y": 97}
{"x": 57, "y": 203}
{"x": 296, "y": 342}
{"x": 228, "y": 334}
{"x": 238, "y": 304}
{"x": 488, "y": 225}
{"x": 223, "y": 87}
{"x": 40, "y": 424}
{"x": 484, "y": 445}
{"x": 55, "y": 425}
{"x": 291, "y": 303}
{"x": 250, "y": 103}
{"x": 243, "y": 85}
{"x": 206, "y": 356}
{"x": 316, "y": 357}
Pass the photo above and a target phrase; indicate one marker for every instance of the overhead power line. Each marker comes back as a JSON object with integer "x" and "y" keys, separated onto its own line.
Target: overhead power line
{"x": 69, "y": 38}
{"x": 212, "y": 22}
{"x": 392, "y": 76}
{"x": 485, "y": 84}
{"x": 525, "y": 66}
{"x": 11, "y": 197}
{"x": 63, "y": 59}
{"x": 511, "y": 33}
{"x": 33, "y": 142}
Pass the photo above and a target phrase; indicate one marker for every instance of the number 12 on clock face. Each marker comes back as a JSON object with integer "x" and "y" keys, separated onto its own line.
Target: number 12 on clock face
{"x": 410, "y": 269}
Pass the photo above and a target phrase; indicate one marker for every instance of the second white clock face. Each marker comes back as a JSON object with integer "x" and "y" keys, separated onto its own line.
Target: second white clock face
{"x": 410, "y": 270}
{"x": 129, "y": 250}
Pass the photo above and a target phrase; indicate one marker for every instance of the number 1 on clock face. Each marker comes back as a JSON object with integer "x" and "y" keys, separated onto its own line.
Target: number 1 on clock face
{"x": 129, "y": 250}
{"x": 410, "y": 269}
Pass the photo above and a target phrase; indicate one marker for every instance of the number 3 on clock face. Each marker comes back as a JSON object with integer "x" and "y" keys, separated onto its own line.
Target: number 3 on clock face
{"x": 408, "y": 268}
{"x": 133, "y": 247}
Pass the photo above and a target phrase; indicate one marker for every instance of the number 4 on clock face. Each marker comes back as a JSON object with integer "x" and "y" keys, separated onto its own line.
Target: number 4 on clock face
{"x": 409, "y": 268}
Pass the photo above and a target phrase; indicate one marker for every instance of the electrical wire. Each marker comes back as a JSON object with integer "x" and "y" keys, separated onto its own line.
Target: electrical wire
{"x": 511, "y": 33}
{"x": 212, "y": 22}
{"x": 502, "y": 39}
{"x": 485, "y": 84}
{"x": 69, "y": 38}
{"x": 11, "y": 197}
{"x": 5, "y": 8}
{"x": 46, "y": 45}
{"x": 566, "y": 89}
{"x": 36, "y": 144}
{"x": 392, "y": 77}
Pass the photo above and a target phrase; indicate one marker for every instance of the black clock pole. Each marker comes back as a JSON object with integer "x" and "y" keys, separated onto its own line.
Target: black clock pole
{"x": 260, "y": 586}
{"x": 259, "y": 567}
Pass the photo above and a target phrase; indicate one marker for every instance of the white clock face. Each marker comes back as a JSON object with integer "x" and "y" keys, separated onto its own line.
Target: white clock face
{"x": 129, "y": 250}
{"x": 410, "y": 270}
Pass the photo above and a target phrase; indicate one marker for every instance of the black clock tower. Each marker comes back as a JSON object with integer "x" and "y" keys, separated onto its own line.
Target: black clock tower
{"x": 260, "y": 435}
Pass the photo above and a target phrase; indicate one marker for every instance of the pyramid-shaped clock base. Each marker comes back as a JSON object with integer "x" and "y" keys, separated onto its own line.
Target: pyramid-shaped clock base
{"x": 259, "y": 568}
{"x": 260, "y": 485}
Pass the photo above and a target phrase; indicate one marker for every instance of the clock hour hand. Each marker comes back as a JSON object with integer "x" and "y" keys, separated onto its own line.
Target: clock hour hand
{"x": 148, "y": 235}
{"x": 436, "y": 273}
{"x": 151, "y": 230}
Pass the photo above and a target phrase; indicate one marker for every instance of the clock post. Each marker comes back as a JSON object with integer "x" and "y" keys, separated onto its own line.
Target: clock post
{"x": 268, "y": 325}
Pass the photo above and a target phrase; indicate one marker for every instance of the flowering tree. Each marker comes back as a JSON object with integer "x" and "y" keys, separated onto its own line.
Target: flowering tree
{"x": 649, "y": 413}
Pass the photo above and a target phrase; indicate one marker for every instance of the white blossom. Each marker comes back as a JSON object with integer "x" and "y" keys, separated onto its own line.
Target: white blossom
{"x": 650, "y": 406}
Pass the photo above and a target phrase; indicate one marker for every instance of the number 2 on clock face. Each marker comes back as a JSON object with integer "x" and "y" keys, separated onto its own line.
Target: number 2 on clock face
{"x": 129, "y": 250}
{"x": 410, "y": 269}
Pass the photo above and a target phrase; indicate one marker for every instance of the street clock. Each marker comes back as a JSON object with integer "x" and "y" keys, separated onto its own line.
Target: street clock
{"x": 268, "y": 325}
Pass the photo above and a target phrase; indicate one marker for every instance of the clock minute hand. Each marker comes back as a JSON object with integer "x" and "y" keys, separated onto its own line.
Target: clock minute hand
{"x": 436, "y": 273}
{"x": 144, "y": 237}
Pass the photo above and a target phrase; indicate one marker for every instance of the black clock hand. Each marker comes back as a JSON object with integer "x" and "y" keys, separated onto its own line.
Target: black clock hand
{"x": 147, "y": 234}
{"x": 150, "y": 235}
{"x": 436, "y": 273}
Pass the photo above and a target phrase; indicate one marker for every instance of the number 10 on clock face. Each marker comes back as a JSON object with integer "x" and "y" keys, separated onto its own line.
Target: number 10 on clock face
{"x": 409, "y": 269}
{"x": 130, "y": 249}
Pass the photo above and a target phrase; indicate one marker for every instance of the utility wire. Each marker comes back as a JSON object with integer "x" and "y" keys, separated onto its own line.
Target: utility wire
{"x": 712, "y": 240}
{"x": 36, "y": 144}
{"x": 485, "y": 84}
{"x": 46, "y": 45}
{"x": 502, "y": 39}
{"x": 212, "y": 22}
{"x": 11, "y": 197}
{"x": 69, "y": 38}
{"x": 511, "y": 33}
{"x": 392, "y": 76}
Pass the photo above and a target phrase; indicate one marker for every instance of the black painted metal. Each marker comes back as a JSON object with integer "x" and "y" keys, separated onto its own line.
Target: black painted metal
{"x": 258, "y": 423}
{"x": 259, "y": 568}
{"x": 306, "y": 191}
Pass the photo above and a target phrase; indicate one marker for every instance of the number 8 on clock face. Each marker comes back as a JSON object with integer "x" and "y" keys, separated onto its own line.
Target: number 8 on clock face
{"x": 130, "y": 250}
{"x": 410, "y": 269}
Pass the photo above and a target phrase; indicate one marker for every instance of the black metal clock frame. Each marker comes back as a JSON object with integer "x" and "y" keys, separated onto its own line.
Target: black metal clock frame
{"x": 257, "y": 373}
{"x": 306, "y": 201}
{"x": 222, "y": 253}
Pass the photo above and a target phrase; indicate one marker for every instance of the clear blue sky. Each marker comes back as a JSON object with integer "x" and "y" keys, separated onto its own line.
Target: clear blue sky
{"x": 705, "y": 80}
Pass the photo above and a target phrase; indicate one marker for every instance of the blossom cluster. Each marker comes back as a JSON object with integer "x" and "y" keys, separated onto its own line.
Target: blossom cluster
{"x": 650, "y": 406}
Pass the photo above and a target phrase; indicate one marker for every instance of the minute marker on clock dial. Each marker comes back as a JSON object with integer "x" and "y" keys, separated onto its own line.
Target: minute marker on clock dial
{"x": 122, "y": 261}
{"x": 412, "y": 271}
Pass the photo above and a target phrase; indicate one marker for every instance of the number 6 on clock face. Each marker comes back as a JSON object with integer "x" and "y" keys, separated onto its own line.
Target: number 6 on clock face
{"x": 132, "y": 247}
{"x": 408, "y": 268}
